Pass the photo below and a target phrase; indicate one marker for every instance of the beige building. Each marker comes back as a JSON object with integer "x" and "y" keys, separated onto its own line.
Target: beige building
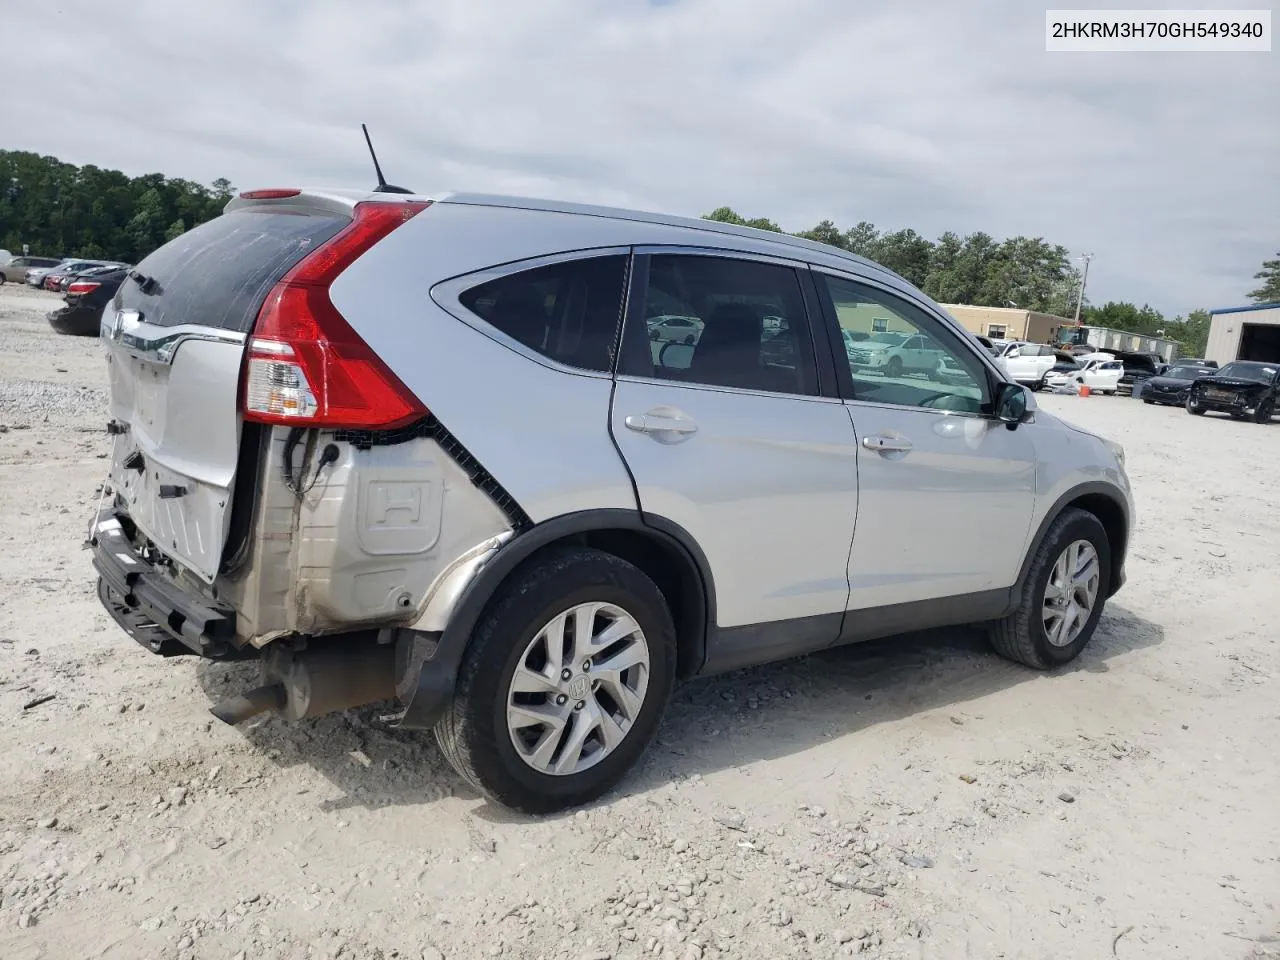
{"x": 1244, "y": 333}
{"x": 871, "y": 318}
{"x": 1006, "y": 323}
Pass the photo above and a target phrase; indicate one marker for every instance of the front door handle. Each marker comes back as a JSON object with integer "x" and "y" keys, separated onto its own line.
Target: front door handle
{"x": 657, "y": 424}
{"x": 885, "y": 443}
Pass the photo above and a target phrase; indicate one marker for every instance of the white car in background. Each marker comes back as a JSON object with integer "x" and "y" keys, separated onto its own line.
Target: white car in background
{"x": 1099, "y": 371}
{"x": 1027, "y": 363}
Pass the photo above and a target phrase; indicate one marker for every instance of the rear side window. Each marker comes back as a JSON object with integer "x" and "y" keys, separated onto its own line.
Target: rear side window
{"x": 725, "y": 323}
{"x": 219, "y": 273}
{"x": 567, "y": 312}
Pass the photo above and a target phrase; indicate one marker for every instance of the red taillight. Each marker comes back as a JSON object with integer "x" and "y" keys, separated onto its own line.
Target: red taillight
{"x": 269, "y": 194}
{"x": 83, "y": 286}
{"x": 305, "y": 366}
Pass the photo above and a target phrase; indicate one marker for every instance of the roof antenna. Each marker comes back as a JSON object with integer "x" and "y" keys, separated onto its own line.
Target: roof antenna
{"x": 383, "y": 186}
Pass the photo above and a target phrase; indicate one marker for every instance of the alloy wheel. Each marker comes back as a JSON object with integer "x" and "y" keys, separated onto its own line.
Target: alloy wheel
{"x": 578, "y": 689}
{"x": 1071, "y": 593}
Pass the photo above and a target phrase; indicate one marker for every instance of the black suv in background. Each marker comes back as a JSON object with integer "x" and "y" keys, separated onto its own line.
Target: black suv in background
{"x": 1246, "y": 389}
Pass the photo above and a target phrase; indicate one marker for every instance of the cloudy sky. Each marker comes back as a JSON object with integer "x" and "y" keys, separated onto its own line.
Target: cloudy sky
{"x": 933, "y": 114}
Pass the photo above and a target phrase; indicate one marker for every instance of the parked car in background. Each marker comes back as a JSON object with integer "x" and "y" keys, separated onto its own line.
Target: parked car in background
{"x": 1197, "y": 361}
{"x": 1246, "y": 389}
{"x": 307, "y": 471}
{"x": 86, "y": 297}
{"x": 87, "y": 272}
{"x": 50, "y": 278}
{"x": 1027, "y": 363}
{"x": 15, "y": 271}
{"x": 1099, "y": 373}
{"x": 1174, "y": 385}
{"x": 896, "y": 354}
{"x": 669, "y": 329}
{"x": 1138, "y": 367}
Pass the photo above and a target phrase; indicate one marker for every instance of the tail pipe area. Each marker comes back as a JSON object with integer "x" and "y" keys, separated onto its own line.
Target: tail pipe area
{"x": 325, "y": 676}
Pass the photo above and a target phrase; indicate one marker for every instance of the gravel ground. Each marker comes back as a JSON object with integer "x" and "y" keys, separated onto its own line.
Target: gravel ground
{"x": 910, "y": 798}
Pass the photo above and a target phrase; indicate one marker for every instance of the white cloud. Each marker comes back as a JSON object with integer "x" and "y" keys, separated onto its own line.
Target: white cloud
{"x": 932, "y": 115}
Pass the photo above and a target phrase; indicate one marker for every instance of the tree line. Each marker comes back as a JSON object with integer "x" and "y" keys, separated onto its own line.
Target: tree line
{"x": 61, "y": 210}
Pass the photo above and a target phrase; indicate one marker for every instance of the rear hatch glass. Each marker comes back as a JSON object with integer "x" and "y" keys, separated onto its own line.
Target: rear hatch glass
{"x": 175, "y": 335}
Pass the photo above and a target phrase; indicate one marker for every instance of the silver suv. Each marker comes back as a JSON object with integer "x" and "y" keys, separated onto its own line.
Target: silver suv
{"x": 432, "y": 450}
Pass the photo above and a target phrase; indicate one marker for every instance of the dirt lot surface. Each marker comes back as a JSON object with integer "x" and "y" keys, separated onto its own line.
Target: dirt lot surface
{"x": 909, "y": 798}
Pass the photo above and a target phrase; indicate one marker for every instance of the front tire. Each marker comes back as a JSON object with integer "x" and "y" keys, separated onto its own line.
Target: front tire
{"x": 564, "y": 682}
{"x": 1062, "y": 597}
{"x": 1265, "y": 409}
{"x": 1194, "y": 408}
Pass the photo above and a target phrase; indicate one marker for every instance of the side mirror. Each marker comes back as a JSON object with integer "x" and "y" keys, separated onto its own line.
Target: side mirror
{"x": 1015, "y": 404}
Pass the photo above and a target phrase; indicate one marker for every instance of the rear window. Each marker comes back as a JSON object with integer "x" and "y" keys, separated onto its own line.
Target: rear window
{"x": 568, "y": 312}
{"x": 219, "y": 273}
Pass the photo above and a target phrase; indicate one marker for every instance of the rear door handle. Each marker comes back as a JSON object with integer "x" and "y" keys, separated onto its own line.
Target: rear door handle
{"x": 884, "y": 443}
{"x": 656, "y": 424}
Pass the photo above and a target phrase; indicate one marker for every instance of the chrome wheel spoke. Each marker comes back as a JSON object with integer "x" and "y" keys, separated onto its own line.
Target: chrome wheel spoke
{"x": 583, "y": 625}
{"x": 611, "y": 732}
{"x": 584, "y": 722}
{"x": 628, "y": 701}
{"x": 533, "y": 681}
{"x": 553, "y": 636}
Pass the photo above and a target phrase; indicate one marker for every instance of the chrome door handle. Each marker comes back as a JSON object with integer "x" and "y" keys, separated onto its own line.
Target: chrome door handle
{"x": 649, "y": 423}
{"x": 882, "y": 443}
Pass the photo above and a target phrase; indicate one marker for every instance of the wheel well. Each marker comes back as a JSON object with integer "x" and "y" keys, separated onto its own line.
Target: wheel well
{"x": 1112, "y": 517}
{"x": 674, "y": 571}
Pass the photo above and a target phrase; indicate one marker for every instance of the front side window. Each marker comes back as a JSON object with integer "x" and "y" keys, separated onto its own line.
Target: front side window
{"x": 921, "y": 365}
{"x": 568, "y": 312}
{"x": 722, "y": 322}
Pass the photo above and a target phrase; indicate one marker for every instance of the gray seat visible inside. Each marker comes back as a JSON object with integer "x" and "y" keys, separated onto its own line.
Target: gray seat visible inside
{"x": 728, "y": 352}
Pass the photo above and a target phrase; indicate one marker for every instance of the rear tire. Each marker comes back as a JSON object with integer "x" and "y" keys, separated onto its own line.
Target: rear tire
{"x": 477, "y": 734}
{"x": 1027, "y": 636}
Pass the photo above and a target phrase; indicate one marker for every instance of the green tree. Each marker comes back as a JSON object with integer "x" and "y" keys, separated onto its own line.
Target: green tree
{"x": 861, "y": 239}
{"x": 1192, "y": 331}
{"x": 825, "y": 232}
{"x": 176, "y": 229}
{"x": 725, "y": 215}
{"x": 59, "y": 209}
{"x": 1269, "y": 292}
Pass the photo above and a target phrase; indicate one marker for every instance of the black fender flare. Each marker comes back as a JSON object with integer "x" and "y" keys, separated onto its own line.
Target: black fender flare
{"x": 437, "y": 660}
{"x": 1092, "y": 488}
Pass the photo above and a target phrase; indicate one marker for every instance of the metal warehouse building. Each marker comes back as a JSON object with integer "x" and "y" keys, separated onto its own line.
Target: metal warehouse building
{"x": 1245, "y": 333}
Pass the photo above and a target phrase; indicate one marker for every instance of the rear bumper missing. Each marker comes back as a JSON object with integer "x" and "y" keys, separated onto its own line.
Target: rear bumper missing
{"x": 149, "y": 606}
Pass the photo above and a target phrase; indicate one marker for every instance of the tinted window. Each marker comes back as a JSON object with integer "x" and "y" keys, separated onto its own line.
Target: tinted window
{"x": 746, "y": 328}
{"x": 218, "y": 273}
{"x": 568, "y": 312}
{"x": 927, "y": 367}
{"x": 1248, "y": 370}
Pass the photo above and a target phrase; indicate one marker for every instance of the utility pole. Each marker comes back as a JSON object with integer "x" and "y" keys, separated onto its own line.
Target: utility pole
{"x": 1084, "y": 277}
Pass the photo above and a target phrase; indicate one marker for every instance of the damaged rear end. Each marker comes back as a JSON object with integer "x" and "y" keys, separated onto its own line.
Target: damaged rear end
{"x": 275, "y": 491}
